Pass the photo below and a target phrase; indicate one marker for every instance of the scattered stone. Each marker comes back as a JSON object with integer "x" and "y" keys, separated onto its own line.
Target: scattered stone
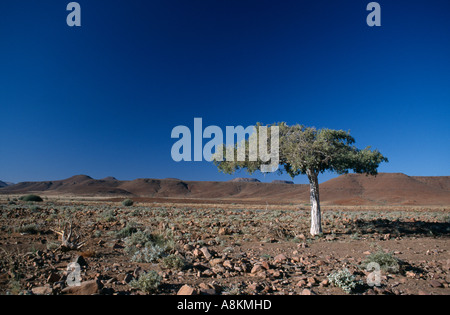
{"x": 216, "y": 261}
{"x": 307, "y": 292}
{"x": 206, "y": 252}
{"x": 257, "y": 268}
{"x": 86, "y": 288}
{"x": 265, "y": 265}
{"x": 436, "y": 284}
{"x": 227, "y": 264}
{"x": 280, "y": 258}
{"x": 224, "y": 231}
{"x": 206, "y": 289}
{"x": 186, "y": 290}
{"x": 42, "y": 290}
{"x": 188, "y": 247}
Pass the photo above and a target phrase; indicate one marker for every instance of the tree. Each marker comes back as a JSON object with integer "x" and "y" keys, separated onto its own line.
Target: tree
{"x": 310, "y": 151}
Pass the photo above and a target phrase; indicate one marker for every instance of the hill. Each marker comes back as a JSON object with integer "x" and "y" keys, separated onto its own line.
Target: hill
{"x": 350, "y": 189}
{"x": 3, "y": 184}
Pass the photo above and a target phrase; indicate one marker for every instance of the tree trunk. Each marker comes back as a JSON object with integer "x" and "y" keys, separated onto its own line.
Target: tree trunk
{"x": 316, "y": 220}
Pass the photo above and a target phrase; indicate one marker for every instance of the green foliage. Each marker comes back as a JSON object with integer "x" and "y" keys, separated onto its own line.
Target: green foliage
{"x": 148, "y": 254}
{"x": 28, "y": 229}
{"x": 127, "y": 203}
{"x": 145, "y": 247}
{"x": 108, "y": 216}
{"x": 387, "y": 261}
{"x": 127, "y": 231}
{"x": 34, "y": 198}
{"x": 173, "y": 262}
{"x": 307, "y": 149}
{"x": 148, "y": 282}
{"x": 344, "y": 279}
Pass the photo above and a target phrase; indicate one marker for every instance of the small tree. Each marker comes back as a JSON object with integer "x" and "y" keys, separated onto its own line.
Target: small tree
{"x": 310, "y": 151}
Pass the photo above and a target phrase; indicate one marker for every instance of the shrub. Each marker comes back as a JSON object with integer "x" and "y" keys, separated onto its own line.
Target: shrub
{"x": 108, "y": 216}
{"x": 148, "y": 282}
{"x": 344, "y": 279}
{"x": 31, "y": 198}
{"x": 173, "y": 262}
{"x": 148, "y": 254}
{"x": 387, "y": 261}
{"x": 127, "y": 231}
{"x": 28, "y": 229}
{"x": 146, "y": 247}
{"x": 137, "y": 240}
{"x": 127, "y": 203}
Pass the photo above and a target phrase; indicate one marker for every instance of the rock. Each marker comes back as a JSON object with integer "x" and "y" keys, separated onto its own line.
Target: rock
{"x": 208, "y": 273}
{"x": 224, "y": 231}
{"x": 218, "y": 269}
{"x": 265, "y": 265}
{"x": 275, "y": 274}
{"x": 257, "y": 268}
{"x": 186, "y": 290}
{"x": 216, "y": 261}
{"x": 253, "y": 286}
{"x": 311, "y": 281}
{"x": 42, "y": 290}
{"x": 188, "y": 247}
{"x": 206, "y": 289}
{"x": 227, "y": 264}
{"x": 307, "y": 292}
{"x": 435, "y": 284}
{"x": 206, "y": 252}
{"x": 279, "y": 258}
{"x": 324, "y": 283}
{"x": 86, "y": 288}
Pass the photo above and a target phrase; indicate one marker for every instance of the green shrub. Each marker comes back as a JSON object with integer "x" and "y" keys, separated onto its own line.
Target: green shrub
{"x": 28, "y": 229}
{"x": 31, "y": 198}
{"x": 127, "y": 203}
{"x": 387, "y": 261}
{"x": 344, "y": 279}
{"x": 145, "y": 247}
{"x": 173, "y": 262}
{"x": 137, "y": 240}
{"x": 108, "y": 216}
{"x": 127, "y": 231}
{"x": 148, "y": 282}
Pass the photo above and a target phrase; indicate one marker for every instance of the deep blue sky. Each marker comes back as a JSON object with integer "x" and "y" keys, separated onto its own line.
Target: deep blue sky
{"x": 102, "y": 99}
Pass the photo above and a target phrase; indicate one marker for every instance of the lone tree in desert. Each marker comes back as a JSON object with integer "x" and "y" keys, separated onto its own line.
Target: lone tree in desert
{"x": 308, "y": 151}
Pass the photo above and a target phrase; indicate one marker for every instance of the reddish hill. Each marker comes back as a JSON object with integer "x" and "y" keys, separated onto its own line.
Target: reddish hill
{"x": 350, "y": 189}
{"x": 386, "y": 188}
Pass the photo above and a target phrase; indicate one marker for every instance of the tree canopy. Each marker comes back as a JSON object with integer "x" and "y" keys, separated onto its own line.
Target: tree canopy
{"x": 304, "y": 150}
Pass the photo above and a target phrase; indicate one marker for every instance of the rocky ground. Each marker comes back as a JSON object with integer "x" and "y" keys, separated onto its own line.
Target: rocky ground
{"x": 220, "y": 249}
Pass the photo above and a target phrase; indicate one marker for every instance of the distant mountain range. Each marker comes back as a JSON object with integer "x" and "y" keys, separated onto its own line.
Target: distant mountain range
{"x": 350, "y": 189}
{"x": 4, "y": 184}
